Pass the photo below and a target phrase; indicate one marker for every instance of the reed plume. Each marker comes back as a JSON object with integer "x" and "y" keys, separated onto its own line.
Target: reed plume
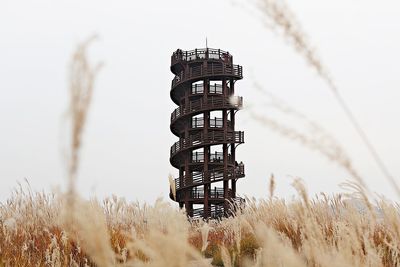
{"x": 278, "y": 14}
{"x": 313, "y": 136}
{"x": 172, "y": 186}
{"x": 81, "y": 83}
{"x": 83, "y": 221}
{"x": 272, "y": 186}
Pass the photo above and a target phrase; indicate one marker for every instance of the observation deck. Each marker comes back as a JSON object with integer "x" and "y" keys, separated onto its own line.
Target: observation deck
{"x": 203, "y": 88}
{"x": 195, "y": 65}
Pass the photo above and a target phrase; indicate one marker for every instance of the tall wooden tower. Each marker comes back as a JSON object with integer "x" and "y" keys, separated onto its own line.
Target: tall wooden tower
{"x": 204, "y": 121}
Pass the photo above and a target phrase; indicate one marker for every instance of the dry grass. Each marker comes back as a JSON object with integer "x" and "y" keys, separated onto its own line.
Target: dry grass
{"x": 277, "y": 16}
{"x": 324, "y": 231}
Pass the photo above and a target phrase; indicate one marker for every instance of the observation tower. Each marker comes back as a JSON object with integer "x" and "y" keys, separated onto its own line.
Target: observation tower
{"x": 204, "y": 121}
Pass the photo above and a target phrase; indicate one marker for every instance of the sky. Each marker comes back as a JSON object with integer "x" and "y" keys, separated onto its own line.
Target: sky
{"x": 127, "y": 138}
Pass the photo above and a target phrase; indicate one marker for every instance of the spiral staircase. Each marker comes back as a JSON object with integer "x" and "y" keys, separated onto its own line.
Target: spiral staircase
{"x": 204, "y": 122}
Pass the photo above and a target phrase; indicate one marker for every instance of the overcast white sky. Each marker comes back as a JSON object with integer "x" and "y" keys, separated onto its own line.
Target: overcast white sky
{"x": 127, "y": 139}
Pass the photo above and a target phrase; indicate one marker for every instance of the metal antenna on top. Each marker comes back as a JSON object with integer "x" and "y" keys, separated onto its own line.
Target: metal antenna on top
{"x": 206, "y": 43}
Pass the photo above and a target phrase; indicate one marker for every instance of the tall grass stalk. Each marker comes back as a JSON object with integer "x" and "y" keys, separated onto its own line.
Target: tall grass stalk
{"x": 278, "y": 16}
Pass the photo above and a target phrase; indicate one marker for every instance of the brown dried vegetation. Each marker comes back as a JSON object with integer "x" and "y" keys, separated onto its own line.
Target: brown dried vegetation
{"x": 324, "y": 231}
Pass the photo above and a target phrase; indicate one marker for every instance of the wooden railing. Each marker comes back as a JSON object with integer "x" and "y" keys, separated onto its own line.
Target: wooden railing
{"x": 216, "y": 122}
{"x": 216, "y": 175}
{"x": 218, "y": 211}
{"x": 213, "y": 123}
{"x": 198, "y": 89}
{"x": 201, "y": 139}
{"x": 197, "y": 122}
{"x": 216, "y": 157}
{"x": 214, "y": 102}
{"x": 199, "y": 54}
{"x": 215, "y": 89}
{"x": 210, "y": 69}
{"x": 215, "y": 193}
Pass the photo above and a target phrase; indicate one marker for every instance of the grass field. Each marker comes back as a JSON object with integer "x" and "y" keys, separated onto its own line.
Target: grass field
{"x": 323, "y": 231}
